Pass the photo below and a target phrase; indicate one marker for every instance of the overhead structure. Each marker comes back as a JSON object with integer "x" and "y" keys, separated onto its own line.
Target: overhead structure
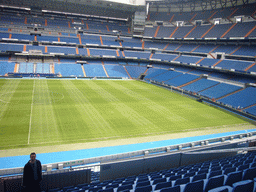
{"x": 192, "y": 5}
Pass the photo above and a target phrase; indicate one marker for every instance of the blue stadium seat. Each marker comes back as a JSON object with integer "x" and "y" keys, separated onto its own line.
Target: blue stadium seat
{"x": 182, "y": 181}
{"x": 146, "y": 188}
{"x": 221, "y": 189}
{"x": 171, "y": 189}
{"x": 243, "y": 186}
{"x": 249, "y": 174}
{"x": 242, "y": 167}
{"x": 215, "y": 173}
{"x": 197, "y": 186}
{"x": 175, "y": 177}
{"x": 163, "y": 185}
{"x": 229, "y": 170}
{"x": 111, "y": 189}
{"x": 159, "y": 180}
{"x": 199, "y": 177}
{"x": 214, "y": 182}
{"x": 233, "y": 177}
{"x": 129, "y": 182}
{"x": 143, "y": 183}
{"x": 240, "y": 186}
{"x": 124, "y": 187}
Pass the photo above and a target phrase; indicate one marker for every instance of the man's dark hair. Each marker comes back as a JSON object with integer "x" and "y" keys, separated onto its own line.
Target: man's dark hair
{"x": 32, "y": 154}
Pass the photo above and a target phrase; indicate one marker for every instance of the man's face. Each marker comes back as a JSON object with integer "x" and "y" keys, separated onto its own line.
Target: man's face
{"x": 32, "y": 157}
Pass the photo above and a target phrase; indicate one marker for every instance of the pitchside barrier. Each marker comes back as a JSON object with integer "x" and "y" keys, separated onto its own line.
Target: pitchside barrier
{"x": 72, "y": 173}
{"x": 226, "y": 142}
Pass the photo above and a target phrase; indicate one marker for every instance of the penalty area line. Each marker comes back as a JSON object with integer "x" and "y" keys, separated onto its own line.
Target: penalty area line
{"x": 30, "y": 121}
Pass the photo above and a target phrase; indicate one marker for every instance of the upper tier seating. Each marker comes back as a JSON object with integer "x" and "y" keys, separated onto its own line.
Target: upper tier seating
{"x": 11, "y": 47}
{"x": 101, "y": 52}
{"x": 164, "y": 57}
{"x": 245, "y": 29}
{"x": 139, "y": 54}
{"x": 202, "y": 15}
{"x": 233, "y": 64}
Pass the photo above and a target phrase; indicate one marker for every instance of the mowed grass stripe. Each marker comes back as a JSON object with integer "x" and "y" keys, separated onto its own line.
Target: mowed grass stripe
{"x": 122, "y": 110}
{"x": 14, "y": 123}
{"x": 150, "y": 103}
{"x": 150, "y": 108}
{"x": 43, "y": 125}
{"x": 91, "y": 116}
{"x": 201, "y": 114}
{"x": 73, "y": 111}
{"x": 71, "y": 125}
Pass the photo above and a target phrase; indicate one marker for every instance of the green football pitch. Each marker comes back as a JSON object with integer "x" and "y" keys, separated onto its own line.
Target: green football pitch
{"x": 46, "y": 112}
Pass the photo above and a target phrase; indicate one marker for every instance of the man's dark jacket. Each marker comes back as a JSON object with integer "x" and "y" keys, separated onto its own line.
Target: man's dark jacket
{"x": 28, "y": 174}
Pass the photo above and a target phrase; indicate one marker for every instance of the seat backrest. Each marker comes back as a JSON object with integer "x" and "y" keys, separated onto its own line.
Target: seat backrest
{"x": 243, "y": 186}
{"x": 174, "y": 177}
{"x": 242, "y": 167}
{"x": 124, "y": 187}
{"x": 171, "y": 189}
{"x": 159, "y": 181}
{"x": 199, "y": 177}
{"x": 197, "y": 186}
{"x": 154, "y": 177}
{"x": 249, "y": 173}
{"x": 145, "y": 183}
{"x": 107, "y": 190}
{"x": 214, "y": 182}
{"x": 115, "y": 185}
{"x": 163, "y": 185}
{"x": 217, "y": 168}
{"x": 233, "y": 177}
{"x": 147, "y": 188}
{"x": 203, "y": 171}
{"x": 182, "y": 181}
{"x": 190, "y": 174}
{"x": 253, "y": 164}
{"x": 229, "y": 170}
{"x": 128, "y": 182}
{"x": 215, "y": 173}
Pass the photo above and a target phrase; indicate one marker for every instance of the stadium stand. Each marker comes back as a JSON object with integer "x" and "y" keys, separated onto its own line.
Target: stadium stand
{"x": 68, "y": 69}
{"x": 94, "y": 69}
{"x": 135, "y": 71}
{"x": 233, "y": 173}
{"x": 6, "y": 67}
{"x": 243, "y": 98}
{"x": 116, "y": 71}
{"x": 219, "y": 90}
{"x": 229, "y": 80}
{"x": 181, "y": 80}
{"x": 200, "y": 85}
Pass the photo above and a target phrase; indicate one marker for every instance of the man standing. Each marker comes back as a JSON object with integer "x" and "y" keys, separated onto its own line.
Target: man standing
{"x": 32, "y": 174}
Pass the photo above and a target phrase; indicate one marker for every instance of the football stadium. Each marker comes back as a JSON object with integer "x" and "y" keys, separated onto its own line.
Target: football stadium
{"x": 128, "y": 95}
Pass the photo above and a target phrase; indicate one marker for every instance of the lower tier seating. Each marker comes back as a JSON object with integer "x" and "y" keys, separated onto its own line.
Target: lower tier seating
{"x": 237, "y": 173}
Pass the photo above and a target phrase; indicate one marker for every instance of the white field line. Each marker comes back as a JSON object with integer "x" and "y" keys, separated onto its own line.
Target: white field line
{"x": 30, "y": 121}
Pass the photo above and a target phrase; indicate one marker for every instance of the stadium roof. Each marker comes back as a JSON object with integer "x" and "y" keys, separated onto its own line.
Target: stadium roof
{"x": 192, "y": 5}
{"x": 108, "y": 8}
